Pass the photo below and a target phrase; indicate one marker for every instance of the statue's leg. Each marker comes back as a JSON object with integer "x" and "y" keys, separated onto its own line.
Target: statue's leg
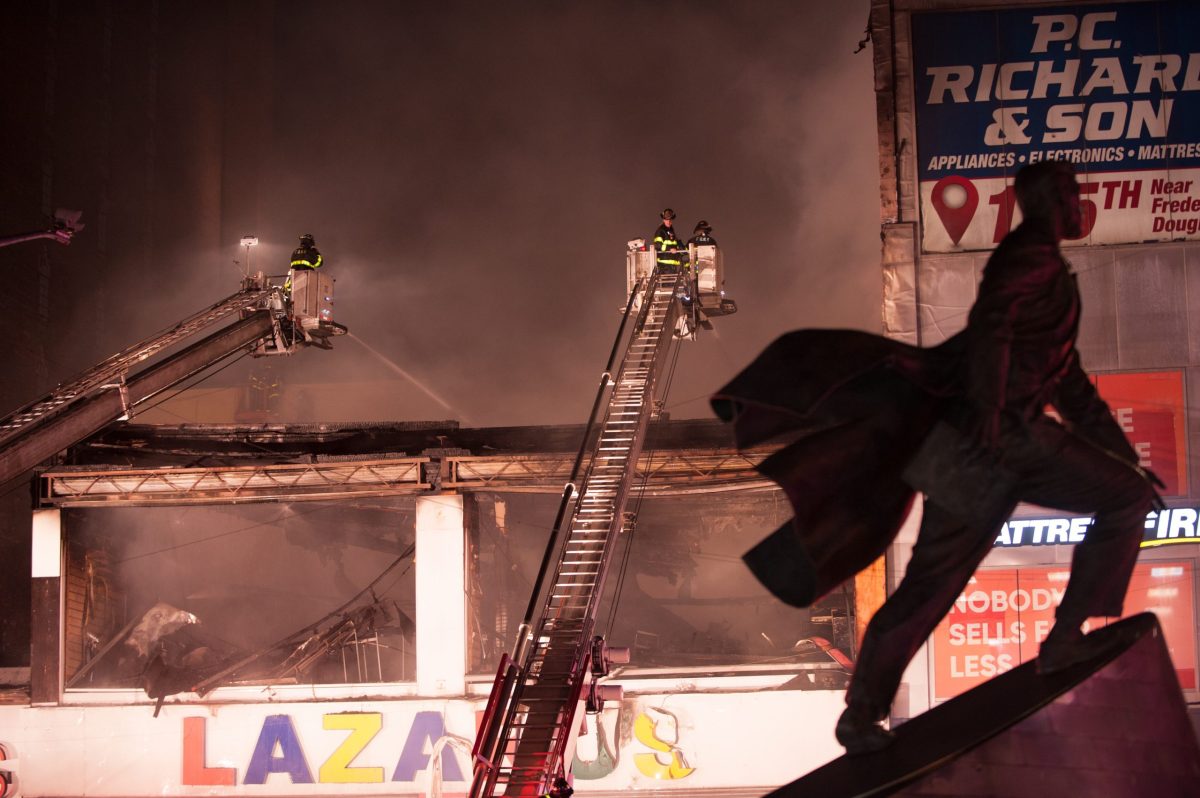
{"x": 945, "y": 556}
{"x": 1081, "y": 478}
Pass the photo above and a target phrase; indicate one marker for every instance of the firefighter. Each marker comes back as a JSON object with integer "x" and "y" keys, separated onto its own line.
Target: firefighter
{"x": 306, "y": 256}
{"x": 561, "y": 789}
{"x": 667, "y": 244}
{"x": 702, "y": 235}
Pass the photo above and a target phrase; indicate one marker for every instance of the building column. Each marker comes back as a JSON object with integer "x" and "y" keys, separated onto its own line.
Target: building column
{"x": 441, "y": 596}
{"x": 46, "y": 608}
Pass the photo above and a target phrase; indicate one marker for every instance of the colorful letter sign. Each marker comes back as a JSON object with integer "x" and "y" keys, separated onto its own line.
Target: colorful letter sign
{"x": 279, "y": 752}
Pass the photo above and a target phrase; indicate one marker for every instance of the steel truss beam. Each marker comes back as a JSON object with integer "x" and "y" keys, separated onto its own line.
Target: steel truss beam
{"x": 656, "y": 473}
{"x": 232, "y": 484}
{"x": 663, "y": 473}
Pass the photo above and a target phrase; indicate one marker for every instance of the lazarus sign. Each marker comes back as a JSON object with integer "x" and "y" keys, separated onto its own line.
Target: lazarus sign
{"x": 1112, "y": 88}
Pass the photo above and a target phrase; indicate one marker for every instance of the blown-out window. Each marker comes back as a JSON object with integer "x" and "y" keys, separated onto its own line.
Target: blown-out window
{"x": 176, "y": 599}
{"x": 677, "y": 592}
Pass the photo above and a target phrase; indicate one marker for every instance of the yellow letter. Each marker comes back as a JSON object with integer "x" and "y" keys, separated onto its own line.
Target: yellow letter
{"x": 363, "y": 726}
{"x": 649, "y": 764}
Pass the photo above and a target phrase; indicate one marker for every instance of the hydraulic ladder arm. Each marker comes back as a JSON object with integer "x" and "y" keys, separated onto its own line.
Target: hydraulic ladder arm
{"x": 530, "y": 720}
{"x": 109, "y": 390}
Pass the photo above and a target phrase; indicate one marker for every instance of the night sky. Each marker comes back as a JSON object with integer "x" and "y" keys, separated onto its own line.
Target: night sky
{"x": 471, "y": 172}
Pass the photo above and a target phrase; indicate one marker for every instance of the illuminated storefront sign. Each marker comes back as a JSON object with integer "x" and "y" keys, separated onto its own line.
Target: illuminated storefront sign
{"x": 1176, "y": 525}
{"x": 1113, "y": 88}
{"x": 1002, "y": 616}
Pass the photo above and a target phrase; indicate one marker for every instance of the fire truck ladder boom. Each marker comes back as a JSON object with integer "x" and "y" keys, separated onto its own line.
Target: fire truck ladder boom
{"x": 108, "y": 391}
{"x": 530, "y": 718}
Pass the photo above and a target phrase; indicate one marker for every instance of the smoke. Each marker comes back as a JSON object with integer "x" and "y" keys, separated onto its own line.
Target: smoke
{"x": 683, "y": 595}
{"x": 252, "y": 574}
{"x": 472, "y": 173}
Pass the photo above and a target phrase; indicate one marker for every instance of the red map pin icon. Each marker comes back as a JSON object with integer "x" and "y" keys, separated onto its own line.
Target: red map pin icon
{"x": 955, "y": 200}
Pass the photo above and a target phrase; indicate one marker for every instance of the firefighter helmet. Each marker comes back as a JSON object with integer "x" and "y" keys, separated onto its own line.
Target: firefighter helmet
{"x": 307, "y": 240}
{"x": 703, "y": 227}
{"x": 667, "y": 214}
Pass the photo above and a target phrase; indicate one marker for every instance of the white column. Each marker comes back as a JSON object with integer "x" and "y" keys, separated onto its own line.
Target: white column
{"x": 47, "y": 544}
{"x": 441, "y": 596}
{"x": 46, "y": 610}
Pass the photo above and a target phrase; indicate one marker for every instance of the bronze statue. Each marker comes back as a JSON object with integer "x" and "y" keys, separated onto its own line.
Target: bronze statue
{"x": 869, "y": 421}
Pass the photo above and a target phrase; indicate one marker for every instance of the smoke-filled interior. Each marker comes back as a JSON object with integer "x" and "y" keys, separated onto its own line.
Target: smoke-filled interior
{"x": 682, "y": 595}
{"x": 190, "y": 599}
{"x": 178, "y": 597}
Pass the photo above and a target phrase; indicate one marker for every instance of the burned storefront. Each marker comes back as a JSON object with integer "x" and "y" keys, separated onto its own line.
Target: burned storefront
{"x": 214, "y": 611}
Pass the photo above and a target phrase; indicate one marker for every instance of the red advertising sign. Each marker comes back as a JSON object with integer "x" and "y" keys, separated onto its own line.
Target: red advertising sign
{"x": 1003, "y": 615}
{"x": 1150, "y": 408}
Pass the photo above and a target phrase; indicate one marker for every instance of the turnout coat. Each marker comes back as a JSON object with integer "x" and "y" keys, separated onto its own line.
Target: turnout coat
{"x": 852, "y": 410}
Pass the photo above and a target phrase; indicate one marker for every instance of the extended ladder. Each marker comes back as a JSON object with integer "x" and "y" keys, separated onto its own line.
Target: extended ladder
{"x": 263, "y": 320}
{"x": 530, "y": 717}
{"x": 111, "y": 372}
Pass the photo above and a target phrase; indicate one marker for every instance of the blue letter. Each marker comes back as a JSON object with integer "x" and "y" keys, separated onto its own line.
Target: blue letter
{"x": 277, "y": 730}
{"x": 427, "y": 726}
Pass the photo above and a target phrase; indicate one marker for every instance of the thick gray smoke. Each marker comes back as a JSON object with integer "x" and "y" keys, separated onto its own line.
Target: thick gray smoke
{"x": 472, "y": 172}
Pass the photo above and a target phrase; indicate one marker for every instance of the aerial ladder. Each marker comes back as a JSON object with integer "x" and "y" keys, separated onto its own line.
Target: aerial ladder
{"x": 528, "y": 729}
{"x": 264, "y": 319}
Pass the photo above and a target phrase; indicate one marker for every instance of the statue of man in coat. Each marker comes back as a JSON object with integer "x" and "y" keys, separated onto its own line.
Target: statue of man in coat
{"x": 869, "y": 421}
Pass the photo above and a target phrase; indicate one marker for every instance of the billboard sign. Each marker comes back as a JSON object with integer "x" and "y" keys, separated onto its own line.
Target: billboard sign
{"x": 1149, "y": 406}
{"x": 393, "y": 746}
{"x": 1113, "y": 88}
{"x": 1164, "y": 527}
{"x": 1004, "y": 614}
